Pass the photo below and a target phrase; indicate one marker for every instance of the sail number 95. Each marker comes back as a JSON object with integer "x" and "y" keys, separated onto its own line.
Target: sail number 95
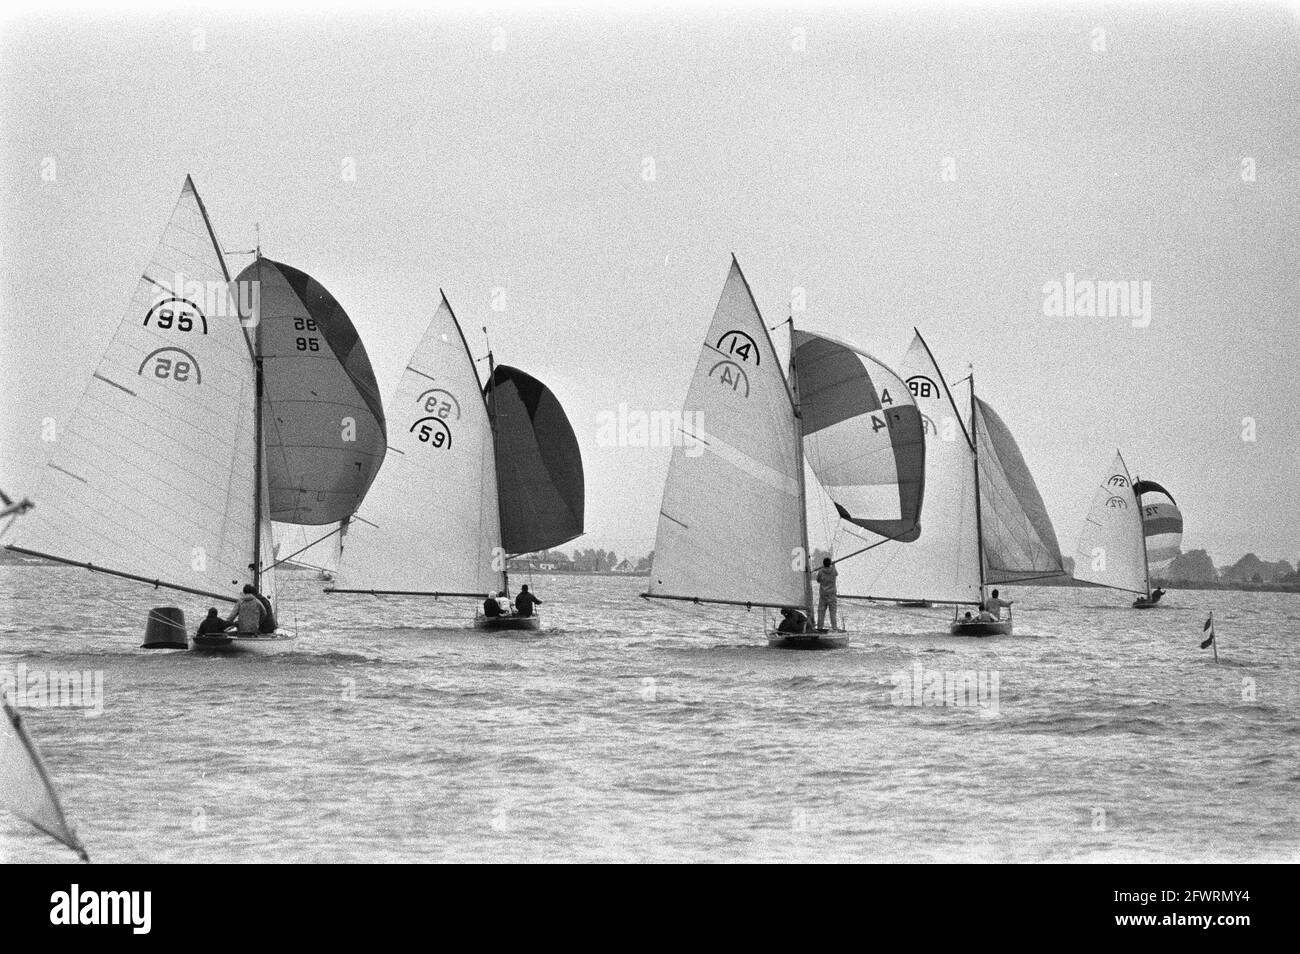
{"x": 176, "y": 370}
{"x": 306, "y": 343}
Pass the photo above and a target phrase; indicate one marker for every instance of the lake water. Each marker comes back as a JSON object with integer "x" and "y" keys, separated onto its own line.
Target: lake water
{"x": 638, "y": 731}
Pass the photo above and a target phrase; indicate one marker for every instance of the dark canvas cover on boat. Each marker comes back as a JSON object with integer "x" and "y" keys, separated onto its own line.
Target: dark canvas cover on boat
{"x": 539, "y": 466}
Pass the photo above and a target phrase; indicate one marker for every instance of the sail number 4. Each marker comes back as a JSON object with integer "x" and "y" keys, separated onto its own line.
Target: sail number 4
{"x": 880, "y": 422}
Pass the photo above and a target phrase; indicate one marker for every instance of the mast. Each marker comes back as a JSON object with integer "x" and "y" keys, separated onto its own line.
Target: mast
{"x": 975, "y": 461}
{"x": 257, "y": 434}
{"x": 492, "y": 422}
{"x": 803, "y": 489}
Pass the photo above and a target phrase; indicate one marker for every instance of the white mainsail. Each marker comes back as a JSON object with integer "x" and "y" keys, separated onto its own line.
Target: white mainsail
{"x": 1111, "y": 551}
{"x": 430, "y": 522}
{"x": 942, "y": 564}
{"x": 731, "y": 523}
{"x": 153, "y": 476}
{"x": 26, "y": 788}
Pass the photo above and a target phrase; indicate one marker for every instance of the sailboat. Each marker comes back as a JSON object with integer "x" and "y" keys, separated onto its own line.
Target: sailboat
{"x": 985, "y": 523}
{"x": 159, "y": 476}
{"x": 26, "y": 788}
{"x": 733, "y": 525}
{"x": 1113, "y": 548}
{"x": 475, "y": 474}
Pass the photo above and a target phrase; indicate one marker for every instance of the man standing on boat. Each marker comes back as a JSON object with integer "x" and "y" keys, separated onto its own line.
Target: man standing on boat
{"x": 826, "y": 594}
{"x": 525, "y": 601}
{"x": 995, "y": 605}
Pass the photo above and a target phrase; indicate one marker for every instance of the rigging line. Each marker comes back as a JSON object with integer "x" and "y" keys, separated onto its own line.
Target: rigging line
{"x": 337, "y": 529}
{"x": 866, "y": 548}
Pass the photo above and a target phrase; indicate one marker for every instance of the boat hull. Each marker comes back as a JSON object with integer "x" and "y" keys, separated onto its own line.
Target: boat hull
{"x": 820, "y": 639}
{"x": 1143, "y": 603}
{"x": 507, "y": 623}
{"x": 1001, "y": 627}
{"x": 232, "y": 644}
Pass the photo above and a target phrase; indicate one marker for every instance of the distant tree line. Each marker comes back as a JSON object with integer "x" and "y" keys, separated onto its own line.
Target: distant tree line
{"x": 1193, "y": 568}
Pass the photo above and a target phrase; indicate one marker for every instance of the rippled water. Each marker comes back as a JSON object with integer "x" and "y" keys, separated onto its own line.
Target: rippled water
{"x": 638, "y": 731}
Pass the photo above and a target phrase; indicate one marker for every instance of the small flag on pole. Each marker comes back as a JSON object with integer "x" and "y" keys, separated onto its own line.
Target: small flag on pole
{"x": 1210, "y": 640}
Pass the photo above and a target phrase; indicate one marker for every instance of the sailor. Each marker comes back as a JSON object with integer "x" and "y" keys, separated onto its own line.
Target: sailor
{"x": 826, "y": 594}
{"x": 525, "y": 601}
{"x": 967, "y": 618}
{"x": 995, "y": 604}
{"x": 269, "y": 624}
{"x": 491, "y": 608}
{"x": 248, "y": 613}
{"x": 792, "y": 621}
{"x": 1156, "y": 594}
{"x": 212, "y": 623}
{"x": 985, "y": 616}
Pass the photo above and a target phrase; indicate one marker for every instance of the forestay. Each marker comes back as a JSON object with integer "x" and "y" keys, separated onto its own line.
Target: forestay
{"x": 1018, "y": 538}
{"x": 731, "y": 521}
{"x": 538, "y": 464}
{"x": 863, "y": 435}
{"x": 943, "y": 563}
{"x": 429, "y": 523}
{"x": 322, "y": 418}
{"x": 1110, "y": 548}
{"x": 153, "y": 472}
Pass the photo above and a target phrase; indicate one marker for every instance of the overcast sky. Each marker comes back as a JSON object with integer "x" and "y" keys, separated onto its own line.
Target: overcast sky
{"x": 934, "y": 168}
